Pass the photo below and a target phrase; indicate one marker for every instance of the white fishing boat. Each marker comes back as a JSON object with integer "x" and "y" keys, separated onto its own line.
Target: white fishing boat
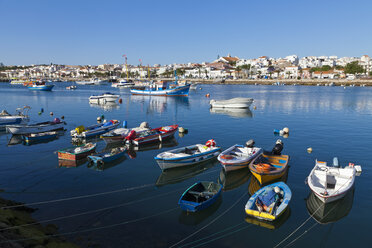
{"x": 189, "y": 155}
{"x": 331, "y": 183}
{"x": 103, "y": 98}
{"x": 21, "y": 117}
{"x": 238, "y": 102}
{"x": 93, "y": 81}
{"x": 122, "y": 84}
{"x": 238, "y": 156}
{"x": 47, "y": 126}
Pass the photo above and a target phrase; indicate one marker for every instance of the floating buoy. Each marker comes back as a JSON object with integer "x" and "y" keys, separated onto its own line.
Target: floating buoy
{"x": 309, "y": 150}
{"x": 120, "y": 100}
{"x": 39, "y": 113}
{"x": 102, "y": 117}
{"x": 99, "y": 119}
{"x": 125, "y": 124}
{"x": 181, "y": 130}
{"x": 181, "y": 134}
{"x": 254, "y": 107}
{"x": 62, "y": 117}
{"x": 285, "y": 135}
{"x": 41, "y": 110}
{"x": 207, "y": 95}
{"x": 51, "y": 113}
{"x": 286, "y": 130}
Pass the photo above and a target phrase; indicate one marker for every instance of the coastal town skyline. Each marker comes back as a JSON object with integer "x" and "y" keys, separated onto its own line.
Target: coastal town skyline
{"x": 89, "y": 32}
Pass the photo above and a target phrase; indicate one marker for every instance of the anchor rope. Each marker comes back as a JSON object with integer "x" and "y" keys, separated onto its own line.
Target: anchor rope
{"x": 90, "y": 211}
{"x": 214, "y": 220}
{"x": 311, "y": 216}
{"x": 92, "y": 229}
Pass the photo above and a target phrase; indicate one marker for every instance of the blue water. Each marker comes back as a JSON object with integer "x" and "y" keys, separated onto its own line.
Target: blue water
{"x": 332, "y": 120}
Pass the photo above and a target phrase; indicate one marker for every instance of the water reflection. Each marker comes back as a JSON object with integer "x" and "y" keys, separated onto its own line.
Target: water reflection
{"x": 325, "y": 213}
{"x": 132, "y": 150}
{"x": 159, "y": 104}
{"x": 234, "y": 179}
{"x": 236, "y": 113}
{"x": 193, "y": 219}
{"x": 107, "y": 165}
{"x": 180, "y": 174}
{"x": 71, "y": 163}
{"x": 108, "y": 106}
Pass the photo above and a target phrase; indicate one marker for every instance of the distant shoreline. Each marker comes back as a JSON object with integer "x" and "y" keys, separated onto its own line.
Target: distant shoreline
{"x": 306, "y": 82}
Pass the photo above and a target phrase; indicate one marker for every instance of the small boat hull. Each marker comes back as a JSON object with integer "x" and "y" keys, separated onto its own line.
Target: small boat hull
{"x": 279, "y": 163}
{"x": 185, "y": 159}
{"x": 36, "y": 128}
{"x": 71, "y": 154}
{"x": 107, "y": 157}
{"x": 177, "y": 91}
{"x": 158, "y": 136}
{"x": 41, "y": 137}
{"x": 93, "y": 130}
{"x": 235, "y": 157}
{"x": 41, "y": 87}
{"x": 277, "y": 210}
{"x": 232, "y": 103}
{"x": 200, "y": 196}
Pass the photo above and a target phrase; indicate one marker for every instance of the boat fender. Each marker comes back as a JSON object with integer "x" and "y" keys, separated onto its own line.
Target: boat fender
{"x": 125, "y": 124}
{"x": 277, "y": 150}
{"x": 120, "y": 100}
{"x": 309, "y": 150}
{"x": 131, "y": 136}
{"x": 62, "y": 117}
{"x": 250, "y": 143}
{"x": 286, "y": 130}
{"x": 39, "y": 113}
{"x": 207, "y": 95}
{"x": 160, "y": 138}
{"x": 102, "y": 117}
{"x": 41, "y": 110}
{"x": 211, "y": 143}
{"x": 99, "y": 119}
{"x": 51, "y": 113}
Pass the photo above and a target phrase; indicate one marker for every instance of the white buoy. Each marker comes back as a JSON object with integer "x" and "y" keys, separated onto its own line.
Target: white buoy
{"x": 99, "y": 118}
{"x": 181, "y": 130}
{"x": 309, "y": 150}
{"x": 286, "y": 130}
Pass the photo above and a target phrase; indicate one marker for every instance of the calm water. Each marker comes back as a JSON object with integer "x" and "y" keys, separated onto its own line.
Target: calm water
{"x": 332, "y": 120}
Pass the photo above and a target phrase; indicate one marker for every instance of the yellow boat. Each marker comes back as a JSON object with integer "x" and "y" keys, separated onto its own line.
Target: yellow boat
{"x": 267, "y": 167}
{"x": 254, "y": 184}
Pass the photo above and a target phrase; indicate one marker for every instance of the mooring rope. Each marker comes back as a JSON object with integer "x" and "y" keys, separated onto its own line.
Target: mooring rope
{"x": 214, "y": 220}
{"x": 91, "y": 229}
{"x": 90, "y": 211}
{"x": 311, "y": 216}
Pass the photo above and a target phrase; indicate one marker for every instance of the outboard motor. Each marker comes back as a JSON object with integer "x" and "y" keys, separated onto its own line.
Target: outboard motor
{"x": 277, "y": 150}
{"x": 250, "y": 143}
{"x": 131, "y": 136}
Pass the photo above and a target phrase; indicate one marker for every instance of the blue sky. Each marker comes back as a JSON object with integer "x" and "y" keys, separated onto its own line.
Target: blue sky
{"x": 97, "y": 32}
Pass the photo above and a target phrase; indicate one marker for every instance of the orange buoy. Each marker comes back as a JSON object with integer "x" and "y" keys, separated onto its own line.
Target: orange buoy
{"x": 120, "y": 100}
{"x": 207, "y": 95}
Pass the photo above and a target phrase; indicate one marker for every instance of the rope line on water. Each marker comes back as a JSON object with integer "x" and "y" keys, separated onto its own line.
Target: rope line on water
{"x": 90, "y": 212}
{"x": 311, "y": 216}
{"x": 91, "y": 229}
{"x": 79, "y": 197}
{"x": 289, "y": 244}
{"x": 214, "y": 220}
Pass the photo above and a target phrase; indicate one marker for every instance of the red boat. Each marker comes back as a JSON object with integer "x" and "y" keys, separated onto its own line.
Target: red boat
{"x": 77, "y": 152}
{"x": 154, "y": 135}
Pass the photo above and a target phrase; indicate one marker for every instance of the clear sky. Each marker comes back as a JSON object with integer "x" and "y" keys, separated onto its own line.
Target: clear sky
{"x": 97, "y": 32}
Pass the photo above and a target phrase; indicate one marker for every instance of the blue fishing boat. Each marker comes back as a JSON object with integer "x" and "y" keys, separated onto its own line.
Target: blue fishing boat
{"x": 189, "y": 155}
{"x": 38, "y": 137}
{"x": 162, "y": 89}
{"x": 94, "y": 130}
{"x": 200, "y": 196}
{"x": 40, "y": 86}
{"x": 269, "y": 202}
{"x": 107, "y": 157}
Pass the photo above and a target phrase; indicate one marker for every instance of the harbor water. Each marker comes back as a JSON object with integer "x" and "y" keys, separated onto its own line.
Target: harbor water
{"x": 132, "y": 203}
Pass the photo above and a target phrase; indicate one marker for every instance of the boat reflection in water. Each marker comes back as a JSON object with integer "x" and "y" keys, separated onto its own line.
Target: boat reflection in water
{"x": 325, "y": 213}
{"x": 236, "y": 113}
{"x": 132, "y": 150}
{"x": 255, "y": 185}
{"x": 159, "y": 104}
{"x": 270, "y": 224}
{"x": 234, "y": 179}
{"x": 106, "y": 166}
{"x": 71, "y": 163}
{"x": 192, "y": 219}
{"x": 180, "y": 174}
{"x": 18, "y": 139}
{"x": 107, "y": 106}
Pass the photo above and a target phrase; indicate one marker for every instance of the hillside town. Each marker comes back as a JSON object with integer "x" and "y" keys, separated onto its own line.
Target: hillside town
{"x": 227, "y": 67}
